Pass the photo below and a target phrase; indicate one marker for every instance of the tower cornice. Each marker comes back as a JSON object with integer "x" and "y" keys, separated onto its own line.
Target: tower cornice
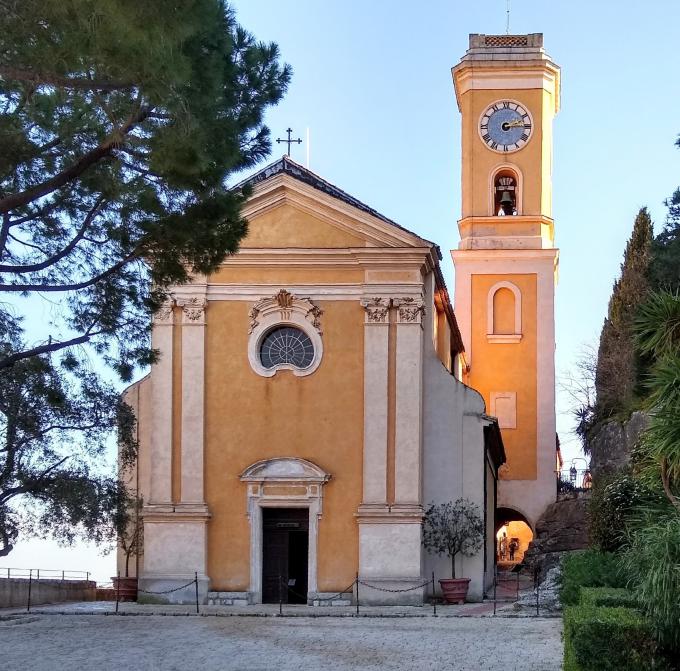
{"x": 506, "y": 62}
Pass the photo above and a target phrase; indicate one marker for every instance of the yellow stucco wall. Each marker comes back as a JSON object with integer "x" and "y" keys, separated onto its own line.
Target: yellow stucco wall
{"x": 249, "y": 418}
{"x": 288, "y": 226}
{"x": 503, "y": 367}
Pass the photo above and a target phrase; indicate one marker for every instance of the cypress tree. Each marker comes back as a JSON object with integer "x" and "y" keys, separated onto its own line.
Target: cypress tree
{"x": 617, "y": 373}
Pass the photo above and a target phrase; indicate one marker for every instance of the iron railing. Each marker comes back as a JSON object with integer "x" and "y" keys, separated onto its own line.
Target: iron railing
{"x": 42, "y": 574}
{"x": 574, "y": 480}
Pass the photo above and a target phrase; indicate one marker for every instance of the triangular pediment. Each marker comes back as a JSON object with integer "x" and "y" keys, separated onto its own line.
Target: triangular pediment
{"x": 292, "y": 207}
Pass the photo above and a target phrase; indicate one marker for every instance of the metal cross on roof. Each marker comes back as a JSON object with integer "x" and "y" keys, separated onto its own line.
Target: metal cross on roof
{"x": 288, "y": 141}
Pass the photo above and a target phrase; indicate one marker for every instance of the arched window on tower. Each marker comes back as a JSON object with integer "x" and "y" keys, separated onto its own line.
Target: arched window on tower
{"x": 504, "y": 313}
{"x": 505, "y": 193}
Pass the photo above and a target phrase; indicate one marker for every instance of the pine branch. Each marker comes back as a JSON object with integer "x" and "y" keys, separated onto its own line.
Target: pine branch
{"x": 15, "y": 200}
{"x": 52, "y": 346}
{"x": 52, "y": 79}
{"x": 34, "y": 267}
{"x": 74, "y": 286}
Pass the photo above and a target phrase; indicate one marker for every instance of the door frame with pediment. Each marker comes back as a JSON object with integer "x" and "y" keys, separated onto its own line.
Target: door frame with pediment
{"x": 283, "y": 482}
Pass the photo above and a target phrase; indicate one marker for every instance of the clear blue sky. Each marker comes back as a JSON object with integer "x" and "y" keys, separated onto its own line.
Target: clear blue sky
{"x": 372, "y": 82}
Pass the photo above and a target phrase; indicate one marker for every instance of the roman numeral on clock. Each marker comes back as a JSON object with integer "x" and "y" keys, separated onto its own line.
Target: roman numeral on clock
{"x": 524, "y": 137}
{"x": 486, "y": 137}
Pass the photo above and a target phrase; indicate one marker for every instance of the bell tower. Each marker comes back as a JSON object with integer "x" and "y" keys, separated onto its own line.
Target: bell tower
{"x": 507, "y": 90}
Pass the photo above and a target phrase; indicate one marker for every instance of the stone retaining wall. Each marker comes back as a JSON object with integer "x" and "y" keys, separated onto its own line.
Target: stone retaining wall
{"x": 14, "y": 591}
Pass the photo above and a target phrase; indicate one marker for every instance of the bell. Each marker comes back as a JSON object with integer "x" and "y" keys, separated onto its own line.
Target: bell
{"x": 507, "y": 203}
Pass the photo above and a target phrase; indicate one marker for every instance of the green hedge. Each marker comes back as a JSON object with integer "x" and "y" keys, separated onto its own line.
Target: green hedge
{"x": 608, "y": 639}
{"x": 588, "y": 568}
{"x": 611, "y": 597}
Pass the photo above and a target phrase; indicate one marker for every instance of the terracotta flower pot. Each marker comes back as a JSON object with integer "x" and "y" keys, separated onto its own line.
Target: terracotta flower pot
{"x": 125, "y": 588}
{"x": 455, "y": 589}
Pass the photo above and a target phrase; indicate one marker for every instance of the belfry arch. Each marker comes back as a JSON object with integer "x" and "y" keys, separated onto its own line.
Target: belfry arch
{"x": 505, "y": 181}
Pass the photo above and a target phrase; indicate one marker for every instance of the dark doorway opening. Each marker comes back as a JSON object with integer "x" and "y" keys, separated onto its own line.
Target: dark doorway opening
{"x": 285, "y": 552}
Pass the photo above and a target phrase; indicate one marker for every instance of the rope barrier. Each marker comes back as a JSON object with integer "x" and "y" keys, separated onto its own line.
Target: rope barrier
{"x": 167, "y": 591}
{"x": 395, "y": 591}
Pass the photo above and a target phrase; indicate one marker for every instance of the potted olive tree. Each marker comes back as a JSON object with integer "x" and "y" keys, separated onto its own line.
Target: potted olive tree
{"x": 450, "y": 529}
{"x": 130, "y": 534}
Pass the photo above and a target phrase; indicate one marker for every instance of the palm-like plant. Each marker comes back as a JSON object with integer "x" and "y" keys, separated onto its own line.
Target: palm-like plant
{"x": 658, "y": 336}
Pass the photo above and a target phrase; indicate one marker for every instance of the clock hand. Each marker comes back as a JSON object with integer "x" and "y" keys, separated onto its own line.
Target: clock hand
{"x": 514, "y": 124}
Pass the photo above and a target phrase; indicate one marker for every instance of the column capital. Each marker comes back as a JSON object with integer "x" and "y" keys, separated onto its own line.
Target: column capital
{"x": 193, "y": 309}
{"x": 376, "y": 309}
{"x": 165, "y": 315}
{"x": 410, "y": 310}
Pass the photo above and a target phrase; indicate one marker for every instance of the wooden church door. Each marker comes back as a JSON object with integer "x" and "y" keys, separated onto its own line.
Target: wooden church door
{"x": 285, "y": 554}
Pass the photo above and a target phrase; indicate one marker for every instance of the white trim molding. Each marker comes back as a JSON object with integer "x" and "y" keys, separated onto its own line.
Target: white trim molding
{"x": 284, "y": 309}
{"x": 283, "y": 482}
{"x": 491, "y": 335}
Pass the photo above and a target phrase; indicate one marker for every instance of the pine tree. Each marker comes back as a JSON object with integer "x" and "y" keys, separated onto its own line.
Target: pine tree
{"x": 121, "y": 122}
{"x": 665, "y": 268}
{"x": 618, "y": 368}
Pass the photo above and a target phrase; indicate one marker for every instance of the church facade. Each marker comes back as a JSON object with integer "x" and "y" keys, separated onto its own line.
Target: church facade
{"x": 315, "y": 394}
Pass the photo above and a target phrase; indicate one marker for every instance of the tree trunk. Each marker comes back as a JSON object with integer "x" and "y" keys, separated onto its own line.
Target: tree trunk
{"x": 453, "y": 565}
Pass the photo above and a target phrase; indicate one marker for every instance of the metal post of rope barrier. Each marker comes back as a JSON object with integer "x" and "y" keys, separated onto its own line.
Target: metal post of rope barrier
{"x": 280, "y": 596}
{"x": 434, "y": 597}
{"x": 495, "y": 581}
{"x": 117, "y": 592}
{"x": 517, "y": 588}
{"x": 357, "y": 579}
{"x": 196, "y": 584}
{"x": 30, "y": 581}
{"x": 87, "y": 576}
{"x": 536, "y": 578}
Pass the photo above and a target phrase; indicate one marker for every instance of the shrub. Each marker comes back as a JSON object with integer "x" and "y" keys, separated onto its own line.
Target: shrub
{"x": 589, "y": 568}
{"x": 610, "y": 597}
{"x": 609, "y": 639}
{"x": 653, "y": 563}
{"x": 610, "y": 509}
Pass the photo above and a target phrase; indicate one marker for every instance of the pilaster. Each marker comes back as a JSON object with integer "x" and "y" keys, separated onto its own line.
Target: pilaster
{"x": 390, "y": 552}
{"x": 408, "y": 420}
{"x": 193, "y": 382}
{"x": 376, "y": 359}
{"x": 162, "y": 407}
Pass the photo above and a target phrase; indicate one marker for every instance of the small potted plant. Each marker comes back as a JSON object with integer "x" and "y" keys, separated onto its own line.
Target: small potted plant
{"x": 450, "y": 529}
{"x": 130, "y": 534}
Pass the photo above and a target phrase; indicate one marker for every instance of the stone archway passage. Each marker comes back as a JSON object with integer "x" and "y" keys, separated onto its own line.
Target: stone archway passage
{"x": 513, "y": 536}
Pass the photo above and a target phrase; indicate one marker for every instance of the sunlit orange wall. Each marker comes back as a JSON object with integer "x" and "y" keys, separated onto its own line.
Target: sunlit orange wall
{"x": 286, "y": 226}
{"x": 249, "y": 418}
{"x": 508, "y": 367}
{"x": 478, "y": 162}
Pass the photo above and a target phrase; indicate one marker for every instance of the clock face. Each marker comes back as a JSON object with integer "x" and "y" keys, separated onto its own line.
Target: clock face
{"x": 505, "y": 126}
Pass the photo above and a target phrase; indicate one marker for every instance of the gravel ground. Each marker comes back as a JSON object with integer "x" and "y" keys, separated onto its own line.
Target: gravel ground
{"x": 150, "y": 643}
